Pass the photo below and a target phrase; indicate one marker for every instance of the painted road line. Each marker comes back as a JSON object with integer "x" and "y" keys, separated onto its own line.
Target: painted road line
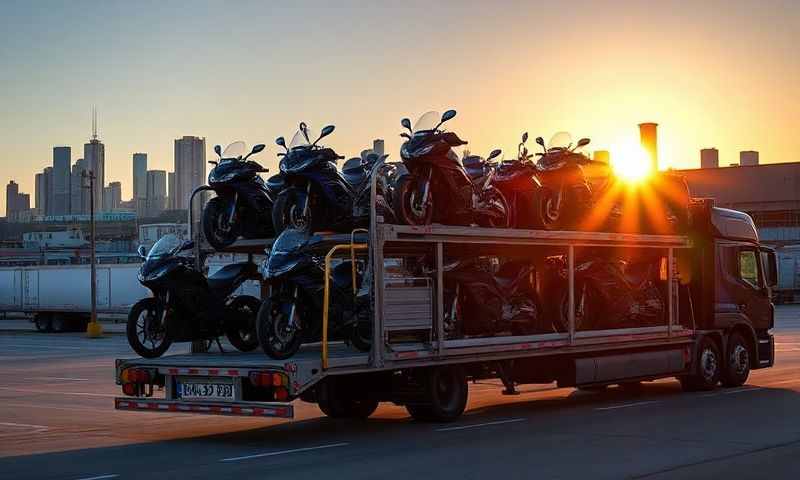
{"x": 84, "y": 394}
{"x": 36, "y": 428}
{"x": 729, "y": 392}
{"x": 283, "y": 452}
{"x": 66, "y": 379}
{"x": 627, "y": 405}
{"x": 101, "y": 477}
{"x": 477, "y": 425}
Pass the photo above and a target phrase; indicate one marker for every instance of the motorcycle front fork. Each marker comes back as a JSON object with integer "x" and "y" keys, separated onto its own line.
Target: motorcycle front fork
{"x": 232, "y": 213}
{"x": 292, "y": 324}
{"x": 306, "y": 206}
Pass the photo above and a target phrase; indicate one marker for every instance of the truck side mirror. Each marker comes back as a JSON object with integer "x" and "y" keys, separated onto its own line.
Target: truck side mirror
{"x": 772, "y": 269}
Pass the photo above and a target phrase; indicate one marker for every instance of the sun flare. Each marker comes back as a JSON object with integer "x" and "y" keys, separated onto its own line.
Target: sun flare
{"x": 630, "y": 162}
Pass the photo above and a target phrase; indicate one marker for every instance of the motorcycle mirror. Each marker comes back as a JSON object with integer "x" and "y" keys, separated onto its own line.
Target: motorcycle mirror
{"x": 218, "y": 150}
{"x": 495, "y": 153}
{"x": 141, "y": 251}
{"x": 258, "y": 148}
{"x": 448, "y": 115}
{"x": 540, "y": 141}
{"x": 281, "y": 142}
{"x": 524, "y": 137}
{"x": 582, "y": 142}
{"x": 406, "y": 123}
{"x": 327, "y": 130}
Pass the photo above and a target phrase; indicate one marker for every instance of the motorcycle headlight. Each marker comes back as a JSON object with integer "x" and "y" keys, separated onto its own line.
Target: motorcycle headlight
{"x": 212, "y": 178}
{"x": 155, "y": 274}
{"x": 294, "y": 165}
{"x": 553, "y": 166}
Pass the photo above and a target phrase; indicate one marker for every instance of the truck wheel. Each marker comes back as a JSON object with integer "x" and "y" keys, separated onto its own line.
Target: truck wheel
{"x": 446, "y": 391}
{"x": 708, "y": 366}
{"x": 737, "y": 361}
{"x": 59, "y": 323}
{"x": 339, "y": 403}
{"x": 43, "y": 322}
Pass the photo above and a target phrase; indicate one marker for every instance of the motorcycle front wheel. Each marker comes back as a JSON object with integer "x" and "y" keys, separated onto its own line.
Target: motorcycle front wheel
{"x": 288, "y": 211}
{"x": 499, "y": 215}
{"x": 147, "y": 330}
{"x": 407, "y": 207}
{"x": 240, "y": 327}
{"x": 277, "y": 337}
{"x": 216, "y": 228}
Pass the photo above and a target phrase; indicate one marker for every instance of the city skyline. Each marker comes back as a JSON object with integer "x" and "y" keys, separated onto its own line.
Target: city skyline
{"x": 616, "y": 65}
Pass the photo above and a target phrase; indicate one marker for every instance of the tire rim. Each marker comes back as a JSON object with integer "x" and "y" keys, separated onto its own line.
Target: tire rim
{"x": 418, "y": 211}
{"x": 297, "y": 220}
{"x": 246, "y": 332}
{"x": 282, "y": 333}
{"x": 148, "y": 330}
{"x": 222, "y": 223}
{"x": 740, "y": 359}
{"x": 708, "y": 364}
{"x": 551, "y": 213}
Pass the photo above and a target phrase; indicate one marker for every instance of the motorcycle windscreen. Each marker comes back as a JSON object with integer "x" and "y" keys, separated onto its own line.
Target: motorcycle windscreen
{"x": 287, "y": 252}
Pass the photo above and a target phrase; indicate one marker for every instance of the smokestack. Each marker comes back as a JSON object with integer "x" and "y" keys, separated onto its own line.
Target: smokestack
{"x": 602, "y": 156}
{"x": 709, "y": 158}
{"x": 648, "y": 135}
{"x": 748, "y": 158}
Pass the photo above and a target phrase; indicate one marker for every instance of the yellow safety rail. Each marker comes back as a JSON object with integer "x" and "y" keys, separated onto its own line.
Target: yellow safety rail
{"x": 325, "y": 308}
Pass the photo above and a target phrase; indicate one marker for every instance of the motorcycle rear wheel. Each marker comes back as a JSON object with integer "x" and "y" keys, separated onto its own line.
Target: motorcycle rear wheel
{"x": 404, "y": 198}
{"x": 275, "y": 337}
{"x": 241, "y": 326}
{"x": 218, "y": 232}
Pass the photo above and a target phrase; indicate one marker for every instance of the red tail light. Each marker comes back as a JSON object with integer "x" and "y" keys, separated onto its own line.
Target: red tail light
{"x": 130, "y": 389}
{"x": 261, "y": 379}
{"x": 136, "y": 375}
{"x": 281, "y": 394}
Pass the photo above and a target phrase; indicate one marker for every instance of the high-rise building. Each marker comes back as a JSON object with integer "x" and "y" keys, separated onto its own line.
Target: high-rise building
{"x": 156, "y": 192}
{"x": 190, "y": 171}
{"x": 12, "y": 191}
{"x": 748, "y": 158}
{"x": 139, "y": 175}
{"x": 94, "y": 153}
{"x": 377, "y": 146}
{"x": 62, "y": 160}
{"x": 50, "y": 192}
{"x": 171, "y": 193}
{"x": 39, "y": 195}
{"x": 648, "y": 135}
{"x": 115, "y": 190}
{"x": 79, "y": 204}
{"x": 709, "y": 158}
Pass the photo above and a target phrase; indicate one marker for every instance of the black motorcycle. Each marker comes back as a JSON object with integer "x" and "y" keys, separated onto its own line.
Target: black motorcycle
{"x": 187, "y": 306}
{"x": 437, "y": 188}
{"x": 518, "y": 180}
{"x": 484, "y": 296}
{"x": 609, "y": 293}
{"x": 243, "y": 205}
{"x": 317, "y": 195}
{"x": 293, "y": 312}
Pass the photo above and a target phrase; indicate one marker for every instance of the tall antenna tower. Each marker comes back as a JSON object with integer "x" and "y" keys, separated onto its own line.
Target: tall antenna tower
{"x": 94, "y": 123}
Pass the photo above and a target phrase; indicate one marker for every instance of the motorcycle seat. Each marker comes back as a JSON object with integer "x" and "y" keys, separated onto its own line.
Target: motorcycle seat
{"x": 223, "y": 279}
{"x": 353, "y": 172}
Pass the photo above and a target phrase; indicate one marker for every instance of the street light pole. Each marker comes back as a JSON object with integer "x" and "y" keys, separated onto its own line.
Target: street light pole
{"x": 93, "y": 329}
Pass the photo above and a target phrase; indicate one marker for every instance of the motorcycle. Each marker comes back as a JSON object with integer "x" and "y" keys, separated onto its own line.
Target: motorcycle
{"x": 293, "y": 312}
{"x": 317, "y": 196}
{"x": 187, "y": 306}
{"x": 437, "y": 187}
{"x": 519, "y": 182}
{"x": 609, "y": 293}
{"x": 483, "y": 299}
{"x": 243, "y": 204}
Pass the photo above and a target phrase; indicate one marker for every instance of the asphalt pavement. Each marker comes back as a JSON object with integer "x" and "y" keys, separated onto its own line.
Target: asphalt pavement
{"x": 57, "y": 421}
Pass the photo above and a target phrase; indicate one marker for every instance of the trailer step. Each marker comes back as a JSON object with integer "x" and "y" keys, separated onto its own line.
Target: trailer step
{"x": 246, "y": 409}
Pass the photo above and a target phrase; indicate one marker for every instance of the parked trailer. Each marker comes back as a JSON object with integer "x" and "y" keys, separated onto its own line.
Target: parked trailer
{"x": 788, "y": 288}
{"x": 59, "y": 296}
{"x": 717, "y": 328}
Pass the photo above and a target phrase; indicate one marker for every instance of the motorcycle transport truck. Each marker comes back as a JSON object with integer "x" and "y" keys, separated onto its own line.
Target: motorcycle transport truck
{"x": 590, "y": 309}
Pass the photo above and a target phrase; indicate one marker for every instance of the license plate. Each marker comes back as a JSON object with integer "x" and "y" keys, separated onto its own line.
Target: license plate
{"x": 206, "y": 391}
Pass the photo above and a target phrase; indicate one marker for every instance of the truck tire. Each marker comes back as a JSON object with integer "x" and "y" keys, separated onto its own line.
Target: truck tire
{"x": 339, "y": 403}
{"x": 736, "y": 367}
{"x": 446, "y": 394}
{"x": 43, "y": 322}
{"x": 59, "y": 323}
{"x": 708, "y": 367}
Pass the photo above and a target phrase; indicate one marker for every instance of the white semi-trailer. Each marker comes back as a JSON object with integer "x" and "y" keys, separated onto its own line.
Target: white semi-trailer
{"x": 717, "y": 327}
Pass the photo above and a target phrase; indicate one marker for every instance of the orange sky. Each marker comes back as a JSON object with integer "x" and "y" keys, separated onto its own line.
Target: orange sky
{"x": 723, "y": 74}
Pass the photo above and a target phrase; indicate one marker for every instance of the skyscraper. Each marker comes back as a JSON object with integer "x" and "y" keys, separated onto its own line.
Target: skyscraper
{"x": 50, "y": 192}
{"x": 12, "y": 191}
{"x": 94, "y": 153}
{"x": 115, "y": 190}
{"x": 79, "y": 204}
{"x": 156, "y": 192}
{"x": 648, "y": 135}
{"x": 377, "y": 146}
{"x": 171, "y": 193}
{"x": 62, "y": 159}
{"x": 140, "y": 182}
{"x": 39, "y": 194}
{"x": 190, "y": 171}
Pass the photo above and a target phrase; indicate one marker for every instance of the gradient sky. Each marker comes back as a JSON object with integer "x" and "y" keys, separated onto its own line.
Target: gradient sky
{"x": 712, "y": 73}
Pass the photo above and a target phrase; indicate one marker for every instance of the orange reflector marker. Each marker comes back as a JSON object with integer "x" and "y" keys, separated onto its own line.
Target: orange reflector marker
{"x": 277, "y": 379}
{"x": 129, "y": 389}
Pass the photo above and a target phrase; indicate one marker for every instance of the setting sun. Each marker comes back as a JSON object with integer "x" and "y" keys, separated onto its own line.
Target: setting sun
{"x": 630, "y": 162}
